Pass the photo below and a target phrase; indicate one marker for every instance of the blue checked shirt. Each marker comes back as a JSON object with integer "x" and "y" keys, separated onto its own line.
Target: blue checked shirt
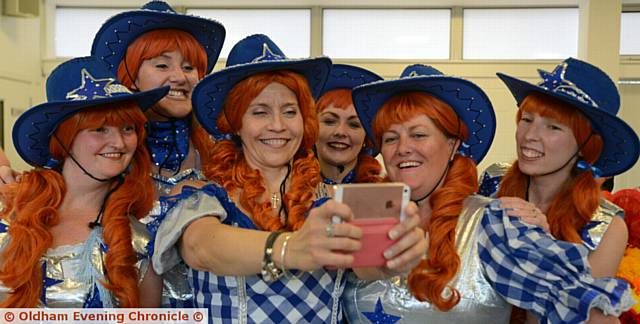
{"x": 536, "y": 272}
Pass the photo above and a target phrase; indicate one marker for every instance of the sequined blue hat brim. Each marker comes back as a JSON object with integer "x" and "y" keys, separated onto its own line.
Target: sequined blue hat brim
{"x": 469, "y": 102}
{"x": 32, "y": 131}
{"x": 119, "y": 31}
{"x": 210, "y": 93}
{"x": 620, "y": 148}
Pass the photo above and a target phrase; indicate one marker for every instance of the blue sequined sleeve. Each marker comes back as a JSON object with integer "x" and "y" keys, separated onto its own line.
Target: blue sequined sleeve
{"x": 489, "y": 182}
{"x": 536, "y": 272}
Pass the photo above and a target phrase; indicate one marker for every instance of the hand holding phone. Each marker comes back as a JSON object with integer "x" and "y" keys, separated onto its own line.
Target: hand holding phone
{"x": 377, "y": 208}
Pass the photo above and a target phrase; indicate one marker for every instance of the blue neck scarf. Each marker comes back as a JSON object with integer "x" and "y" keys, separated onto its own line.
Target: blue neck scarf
{"x": 349, "y": 178}
{"x": 168, "y": 142}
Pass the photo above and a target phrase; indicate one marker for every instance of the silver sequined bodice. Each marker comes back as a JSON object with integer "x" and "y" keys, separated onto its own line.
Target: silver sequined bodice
{"x": 65, "y": 264}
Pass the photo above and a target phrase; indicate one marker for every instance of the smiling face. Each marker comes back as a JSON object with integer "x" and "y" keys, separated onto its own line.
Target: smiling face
{"x": 544, "y": 145}
{"x": 416, "y": 152}
{"x": 172, "y": 69}
{"x": 105, "y": 151}
{"x": 549, "y": 133}
{"x": 272, "y": 128}
{"x": 341, "y": 136}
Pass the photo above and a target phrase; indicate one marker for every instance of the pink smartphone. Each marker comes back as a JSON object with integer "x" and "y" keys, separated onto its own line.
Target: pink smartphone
{"x": 377, "y": 207}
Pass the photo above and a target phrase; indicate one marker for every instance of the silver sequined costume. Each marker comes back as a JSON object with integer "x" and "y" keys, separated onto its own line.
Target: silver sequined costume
{"x": 71, "y": 272}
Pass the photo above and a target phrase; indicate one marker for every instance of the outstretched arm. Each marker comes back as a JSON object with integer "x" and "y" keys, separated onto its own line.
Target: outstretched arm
{"x": 209, "y": 245}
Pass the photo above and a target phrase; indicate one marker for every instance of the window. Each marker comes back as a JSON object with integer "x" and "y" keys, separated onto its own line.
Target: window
{"x": 386, "y": 33}
{"x": 76, "y": 27}
{"x": 629, "y": 38}
{"x": 498, "y": 34}
{"x": 290, "y": 29}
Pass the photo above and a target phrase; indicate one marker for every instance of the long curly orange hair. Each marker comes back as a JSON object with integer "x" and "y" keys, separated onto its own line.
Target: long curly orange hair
{"x": 430, "y": 278}
{"x": 32, "y": 209}
{"x": 579, "y": 197}
{"x": 229, "y": 168}
{"x": 152, "y": 44}
{"x": 368, "y": 169}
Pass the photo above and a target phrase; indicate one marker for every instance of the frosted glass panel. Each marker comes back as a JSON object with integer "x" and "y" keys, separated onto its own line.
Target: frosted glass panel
{"x": 629, "y": 37}
{"x": 386, "y": 33}
{"x": 76, "y": 27}
{"x": 520, "y": 33}
{"x": 289, "y": 28}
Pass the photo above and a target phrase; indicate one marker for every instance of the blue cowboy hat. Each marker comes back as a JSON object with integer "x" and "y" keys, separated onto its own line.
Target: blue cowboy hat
{"x": 591, "y": 91}
{"x": 74, "y": 85}
{"x": 118, "y": 32}
{"x": 469, "y": 102}
{"x": 345, "y": 76}
{"x": 252, "y": 55}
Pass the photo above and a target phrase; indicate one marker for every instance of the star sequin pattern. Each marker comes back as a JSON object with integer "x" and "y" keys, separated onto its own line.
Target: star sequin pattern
{"x": 92, "y": 88}
{"x": 379, "y": 316}
{"x": 554, "y": 79}
{"x": 267, "y": 55}
{"x": 556, "y": 82}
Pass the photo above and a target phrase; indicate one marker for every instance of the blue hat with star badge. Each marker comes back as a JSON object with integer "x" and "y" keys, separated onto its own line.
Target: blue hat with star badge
{"x": 118, "y": 32}
{"x": 468, "y": 101}
{"x": 251, "y": 55}
{"x": 74, "y": 85}
{"x": 591, "y": 91}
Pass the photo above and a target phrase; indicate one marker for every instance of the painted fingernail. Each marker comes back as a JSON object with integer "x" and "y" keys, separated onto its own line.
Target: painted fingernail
{"x": 387, "y": 254}
{"x": 393, "y": 234}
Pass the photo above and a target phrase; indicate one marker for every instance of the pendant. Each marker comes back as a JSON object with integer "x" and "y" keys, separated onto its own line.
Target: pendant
{"x": 275, "y": 201}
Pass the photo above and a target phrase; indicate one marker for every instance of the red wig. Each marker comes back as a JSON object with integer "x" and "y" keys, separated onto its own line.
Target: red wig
{"x": 152, "y": 44}
{"x": 32, "y": 209}
{"x": 368, "y": 169}
{"x": 574, "y": 205}
{"x": 430, "y": 278}
{"x": 229, "y": 168}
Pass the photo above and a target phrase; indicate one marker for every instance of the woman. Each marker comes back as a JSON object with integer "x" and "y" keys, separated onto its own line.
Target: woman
{"x": 341, "y": 149}
{"x": 70, "y": 237}
{"x": 266, "y": 180}
{"x": 432, "y": 130}
{"x": 152, "y": 47}
{"x": 565, "y": 139}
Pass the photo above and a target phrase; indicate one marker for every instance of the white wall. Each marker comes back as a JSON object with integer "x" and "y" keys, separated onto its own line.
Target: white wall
{"x": 21, "y": 81}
